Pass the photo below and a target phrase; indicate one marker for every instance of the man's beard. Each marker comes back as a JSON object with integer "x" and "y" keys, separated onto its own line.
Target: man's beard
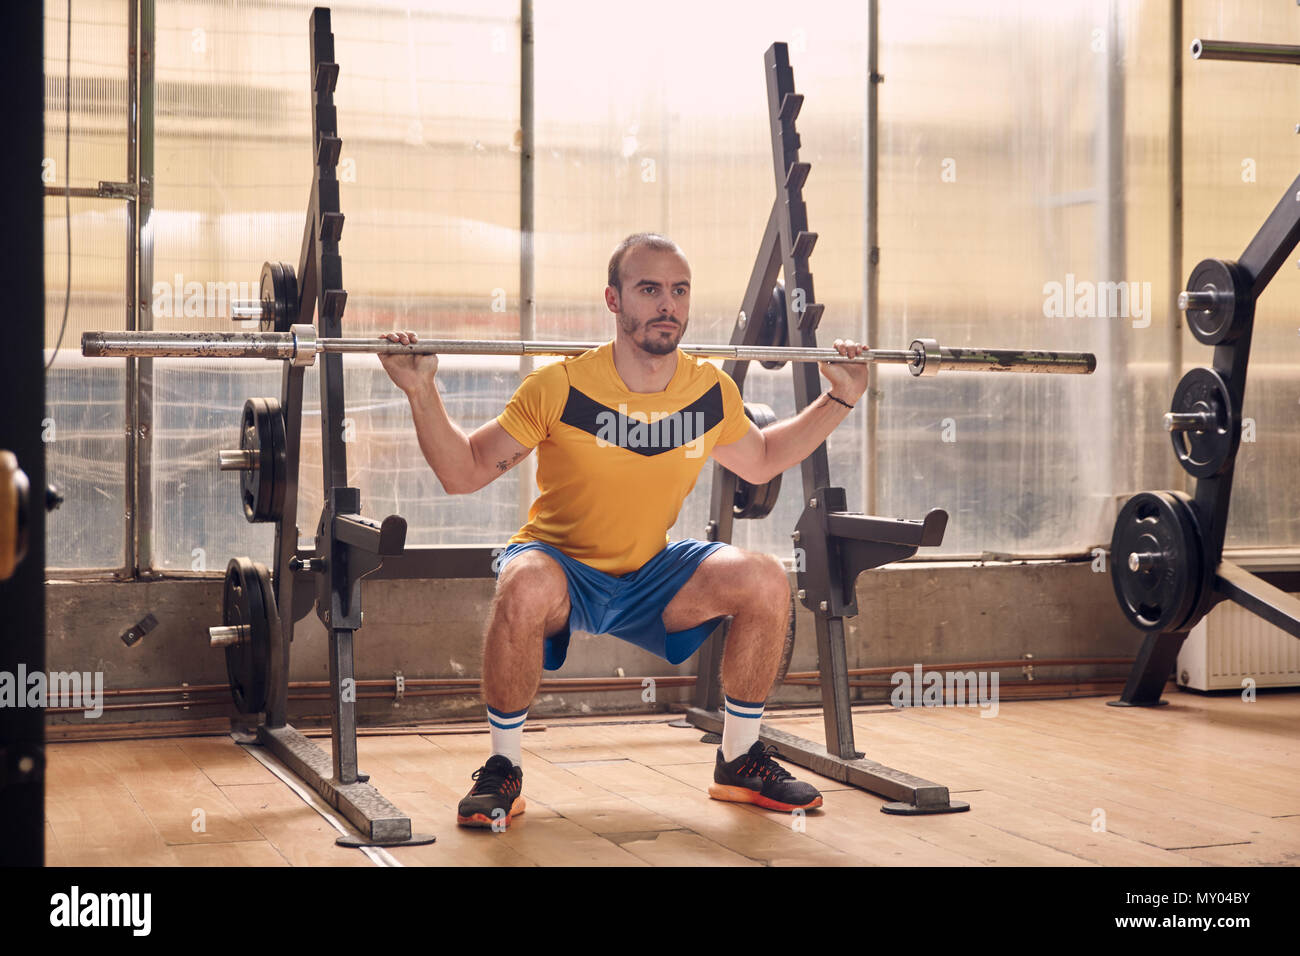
{"x": 653, "y": 341}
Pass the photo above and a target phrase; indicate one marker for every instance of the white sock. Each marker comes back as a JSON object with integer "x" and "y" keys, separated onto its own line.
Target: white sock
{"x": 740, "y": 727}
{"x": 507, "y": 733}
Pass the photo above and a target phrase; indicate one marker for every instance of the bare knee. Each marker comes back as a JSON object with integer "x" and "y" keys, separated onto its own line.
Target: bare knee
{"x": 531, "y": 588}
{"x": 766, "y": 585}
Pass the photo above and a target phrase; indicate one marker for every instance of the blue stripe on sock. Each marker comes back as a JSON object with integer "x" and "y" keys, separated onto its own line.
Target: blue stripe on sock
{"x": 744, "y": 703}
{"x": 505, "y": 726}
{"x": 493, "y": 712}
{"x": 736, "y": 713}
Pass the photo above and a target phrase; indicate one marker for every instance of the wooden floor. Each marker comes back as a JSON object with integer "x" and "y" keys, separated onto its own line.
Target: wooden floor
{"x": 1204, "y": 781}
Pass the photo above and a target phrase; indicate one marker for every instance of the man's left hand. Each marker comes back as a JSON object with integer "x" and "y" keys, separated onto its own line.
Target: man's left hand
{"x": 848, "y": 380}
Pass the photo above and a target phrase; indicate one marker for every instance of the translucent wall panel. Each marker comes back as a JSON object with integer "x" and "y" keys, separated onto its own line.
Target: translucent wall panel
{"x": 427, "y": 102}
{"x": 85, "y": 401}
{"x": 98, "y": 91}
{"x": 671, "y": 134}
{"x": 1240, "y": 157}
{"x": 993, "y": 210}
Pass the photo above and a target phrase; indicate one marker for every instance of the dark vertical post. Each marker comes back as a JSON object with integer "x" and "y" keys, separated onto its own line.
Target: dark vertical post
{"x": 325, "y": 227}
{"x": 22, "y": 396}
{"x": 795, "y": 248}
{"x": 326, "y": 222}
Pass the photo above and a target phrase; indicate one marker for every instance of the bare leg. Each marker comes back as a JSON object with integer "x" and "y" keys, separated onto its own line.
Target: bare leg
{"x": 531, "y": 602}
{"x": 754, "y": 589}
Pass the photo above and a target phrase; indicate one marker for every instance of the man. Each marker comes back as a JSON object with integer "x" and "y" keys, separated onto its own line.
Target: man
{"x": 622, "y": 432}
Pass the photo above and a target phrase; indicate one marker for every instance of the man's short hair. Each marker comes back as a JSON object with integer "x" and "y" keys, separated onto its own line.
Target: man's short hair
{"x": 651, "y": 240}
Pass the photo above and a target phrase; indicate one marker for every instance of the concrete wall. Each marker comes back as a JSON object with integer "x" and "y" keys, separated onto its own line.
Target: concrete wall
{"x": 934, "y": 614}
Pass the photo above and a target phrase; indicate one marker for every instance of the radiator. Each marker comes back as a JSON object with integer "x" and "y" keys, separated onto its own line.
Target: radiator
{"x": 1230, "y": 644}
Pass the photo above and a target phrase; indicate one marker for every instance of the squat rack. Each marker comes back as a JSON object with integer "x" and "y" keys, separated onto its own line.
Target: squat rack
{"x": 262, "y": 605}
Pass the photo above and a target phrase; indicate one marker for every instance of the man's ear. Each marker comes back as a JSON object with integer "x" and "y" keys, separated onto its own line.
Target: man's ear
{"x": 612, "y": 299}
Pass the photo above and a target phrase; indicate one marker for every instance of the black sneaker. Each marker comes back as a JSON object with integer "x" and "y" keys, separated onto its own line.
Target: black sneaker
{"x": 496, "y": 797}
{"x": 754, "y": 777}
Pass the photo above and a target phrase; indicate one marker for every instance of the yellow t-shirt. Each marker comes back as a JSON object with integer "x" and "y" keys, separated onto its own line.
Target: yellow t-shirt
{"x": 614, "y": 466}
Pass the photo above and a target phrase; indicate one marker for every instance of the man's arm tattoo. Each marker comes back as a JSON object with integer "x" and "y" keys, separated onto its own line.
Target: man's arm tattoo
{"x": 505, "y": 465}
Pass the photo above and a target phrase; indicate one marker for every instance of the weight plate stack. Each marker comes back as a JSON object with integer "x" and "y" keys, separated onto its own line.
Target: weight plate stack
{"x": 261, "y": 431}
{"x": 1155, "y": 555}
{"x": 1231, "y": 313}
{"x": 279, "y": 295}
{"x": 756, "y": 501}
{"x": 248, "y": 602}
{"x": 1207, "y": 451}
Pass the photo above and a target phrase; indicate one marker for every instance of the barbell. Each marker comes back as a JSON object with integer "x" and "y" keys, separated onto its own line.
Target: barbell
{"x": 300, "y": 346}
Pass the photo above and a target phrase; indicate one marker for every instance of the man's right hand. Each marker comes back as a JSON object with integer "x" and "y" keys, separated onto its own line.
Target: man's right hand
{"x": 409, "y": 371}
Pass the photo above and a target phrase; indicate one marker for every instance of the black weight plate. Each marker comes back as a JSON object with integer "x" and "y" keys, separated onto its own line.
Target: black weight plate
{"x": 776, "y": 326}
{"x": 756, "y": 501}
{"x": 1159, "y": 596}
{"x": 261, "y": 430}
{"x": 245, "y": 603}
{"x": 250, "y": 480}
{"x": 279, "y": 294}
{"x": 277, "y": 453}
{"x": 1228, "y": 318}
{"x": 1208, "y": 452}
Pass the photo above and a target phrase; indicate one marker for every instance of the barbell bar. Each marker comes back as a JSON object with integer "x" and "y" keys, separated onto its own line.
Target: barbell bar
{"x": 1245, "y": 52}
{"x": 300, "y": 346}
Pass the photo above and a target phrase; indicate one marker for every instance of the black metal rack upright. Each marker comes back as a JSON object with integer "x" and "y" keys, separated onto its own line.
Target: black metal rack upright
{"x": 1167, "y": 562}
{"x": 838, "y": 545}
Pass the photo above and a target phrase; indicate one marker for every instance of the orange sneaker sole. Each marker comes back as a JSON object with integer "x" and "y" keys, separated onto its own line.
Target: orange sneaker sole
{"x": 744, "y": 795}
{"x": 483, "y": 820}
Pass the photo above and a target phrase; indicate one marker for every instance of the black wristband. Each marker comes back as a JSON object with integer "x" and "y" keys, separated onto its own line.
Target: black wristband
{"x": 840, "y": 400}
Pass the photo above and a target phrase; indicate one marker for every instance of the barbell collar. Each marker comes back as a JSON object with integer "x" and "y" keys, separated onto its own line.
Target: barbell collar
{"x": 926, "y": 358}
{"x": 305, "y": 344}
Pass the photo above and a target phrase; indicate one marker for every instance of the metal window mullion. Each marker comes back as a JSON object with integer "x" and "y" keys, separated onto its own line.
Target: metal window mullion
{"x": 143, "y": 104}
{"x": 1115, "y": 461}
{"x": 527, "y": 225}
{"x": 1176, "y": 277}
{"x": 132, "y": 389}
{"x": 871, "y": 292}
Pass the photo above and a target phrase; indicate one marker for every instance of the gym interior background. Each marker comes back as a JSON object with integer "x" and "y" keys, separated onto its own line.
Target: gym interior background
{"x": 1017, "y": 148}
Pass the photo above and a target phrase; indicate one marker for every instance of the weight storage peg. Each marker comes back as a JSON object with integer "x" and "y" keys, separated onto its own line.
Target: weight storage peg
{"x": 1203, "y": 423}
{"x": 1217, "y": 303}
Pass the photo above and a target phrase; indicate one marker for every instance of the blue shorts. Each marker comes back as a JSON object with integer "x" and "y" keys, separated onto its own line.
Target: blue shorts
{"x": 630, "y": 607}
